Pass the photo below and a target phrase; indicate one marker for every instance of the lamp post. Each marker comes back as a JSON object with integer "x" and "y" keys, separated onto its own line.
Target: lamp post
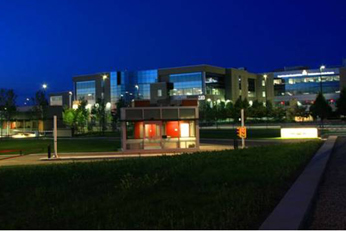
{"x": 321, "y": 89}
{"x": 265, "y": 92}
{"x": 70, "y": 99}
{"x": 137, "y": 87}
{"x": 321, "y": 71}
{"x": 104, "y": 77}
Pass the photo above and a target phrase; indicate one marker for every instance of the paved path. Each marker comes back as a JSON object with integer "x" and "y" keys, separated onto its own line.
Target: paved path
{"x": 251, "y": 142}
{"x": 206, "y": 145}
{"x": 330, "y": 206}
{"x": 33, "y": 159}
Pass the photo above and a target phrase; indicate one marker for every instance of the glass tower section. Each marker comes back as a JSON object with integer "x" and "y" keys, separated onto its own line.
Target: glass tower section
{"x": 306, "y": 85}
{"x": 86, "y": 90}
{"x": 187, "y": 83}
{"x": 132, "y": 84}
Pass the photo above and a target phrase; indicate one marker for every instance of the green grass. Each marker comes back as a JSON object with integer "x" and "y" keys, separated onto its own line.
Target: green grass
{"x": 232, "y": 133}
{"x": 30, "y": 146}
{"x": 213, "y": 190}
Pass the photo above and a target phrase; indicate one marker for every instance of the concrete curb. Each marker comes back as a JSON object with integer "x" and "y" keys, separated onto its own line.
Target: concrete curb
{"x": 107, "y": 157}
{"x": 291, "y": 212}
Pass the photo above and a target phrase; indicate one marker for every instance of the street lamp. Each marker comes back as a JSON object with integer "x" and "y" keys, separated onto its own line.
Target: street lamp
{"x": 70, "y": 99}
{"x": 265, "y": 92}
{"x": 137, "y": 87}
{"x": 321, "y": 71}
{"x": 104, "y": 77}
{"x": 44, "y": 86}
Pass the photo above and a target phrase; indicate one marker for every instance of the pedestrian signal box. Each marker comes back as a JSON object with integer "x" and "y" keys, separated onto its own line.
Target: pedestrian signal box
{"x": 241, "y": 132}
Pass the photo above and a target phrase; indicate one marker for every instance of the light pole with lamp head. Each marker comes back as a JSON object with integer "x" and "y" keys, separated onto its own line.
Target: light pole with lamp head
{"x": 321, "y": 89}
{"x": 137, "y": 87}
{"x": 70, "y": 98}
{"x": 321, "y": 71}
{"x": 265, "y": 93}
{"x": 104, "y": 77}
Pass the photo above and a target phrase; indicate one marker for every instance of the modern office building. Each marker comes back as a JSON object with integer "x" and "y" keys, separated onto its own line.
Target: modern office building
{"x": 203, "y": 82}
{"x": 302, "y": 84}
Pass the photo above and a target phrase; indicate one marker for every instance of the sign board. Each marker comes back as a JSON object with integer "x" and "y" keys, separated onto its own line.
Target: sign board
{"x": 241, "y": 132}
{"x": 299, "y": 133}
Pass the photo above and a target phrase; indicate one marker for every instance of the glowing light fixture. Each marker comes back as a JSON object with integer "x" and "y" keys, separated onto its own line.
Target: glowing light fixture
{"x": 299, "y": 133}
{"x": 184, "y": 130}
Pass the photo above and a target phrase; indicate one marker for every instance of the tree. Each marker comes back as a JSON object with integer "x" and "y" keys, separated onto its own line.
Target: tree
{"x": 269, "y": 108}
{"x": 279, "y": 113}
{"x": 229, "y": 110}
{"x": 120, "y": 104}
{"x": 320, "y": 108}
{"x": 341, "y": 103}
{"x": 76, "y": 119}
{"x": 257, "y": 110}
{"x": 99, "y": 112}
{"x": 240, "y": 104}
{"x": 8, "y": 106}
{"x": 40, "y": 107}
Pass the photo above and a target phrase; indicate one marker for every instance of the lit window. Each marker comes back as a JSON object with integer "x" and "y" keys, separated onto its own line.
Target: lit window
{"x": 159, "y": 93}
{"x": 56, "y": 101}
{"x": 184, "y": 130}
{"x": 263, "y": 94}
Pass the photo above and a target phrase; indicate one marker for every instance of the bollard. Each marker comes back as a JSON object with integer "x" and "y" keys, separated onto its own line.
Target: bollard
{"x": 49, "y": 152}
{"x": 235, "y": 143}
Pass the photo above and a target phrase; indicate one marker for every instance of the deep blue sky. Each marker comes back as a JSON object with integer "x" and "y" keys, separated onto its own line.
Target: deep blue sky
{"x": 52, "y": 40}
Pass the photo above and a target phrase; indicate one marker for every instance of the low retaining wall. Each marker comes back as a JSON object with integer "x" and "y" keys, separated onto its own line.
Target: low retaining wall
{"x": 292, "y": 210}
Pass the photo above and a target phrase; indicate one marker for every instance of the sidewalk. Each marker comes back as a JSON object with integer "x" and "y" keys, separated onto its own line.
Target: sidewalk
{"x": 330, "y": 207}
{"x": 33, "y": 159}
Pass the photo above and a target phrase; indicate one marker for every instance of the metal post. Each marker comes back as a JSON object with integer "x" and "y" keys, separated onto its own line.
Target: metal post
{"x": 55, "y": 137}
{"x": 70, "y": 100}
{"x": 49, "y": 152}
{"x": 242, "y": 124}
{"x": 321, "y": 90}
{"x": 235, "y": 143}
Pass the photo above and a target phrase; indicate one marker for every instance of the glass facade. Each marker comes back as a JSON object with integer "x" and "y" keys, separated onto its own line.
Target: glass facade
{"x": 306, "y": 82}
{"x": 306, "y": 85}
{"x": 187, "y": 83}
{"x": 132, "y": 84}
{"x": 86, "y": 90}
{"x": 215, "y": 85}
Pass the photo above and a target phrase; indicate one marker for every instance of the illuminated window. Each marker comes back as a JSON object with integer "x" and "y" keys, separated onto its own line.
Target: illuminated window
{"x": 159, "y": 93}
{"x": 184, "y": 130}
{"x": 56, "y": 100}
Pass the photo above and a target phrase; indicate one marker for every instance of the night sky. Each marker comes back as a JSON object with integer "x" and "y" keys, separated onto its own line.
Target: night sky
{"x": 49, "y": 41}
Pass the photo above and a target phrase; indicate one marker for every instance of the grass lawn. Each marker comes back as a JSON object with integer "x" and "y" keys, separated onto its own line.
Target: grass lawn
{"x": 212, "y": 190}
{"x": 29, "y": 146}
{"x": 232, "y": 133}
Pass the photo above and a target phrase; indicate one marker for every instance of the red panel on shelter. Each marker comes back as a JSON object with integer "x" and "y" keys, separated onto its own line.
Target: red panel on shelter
{"x": 172, "y": 129}
{"x": 138, "y": 129}
{"x": 150, "y": 131}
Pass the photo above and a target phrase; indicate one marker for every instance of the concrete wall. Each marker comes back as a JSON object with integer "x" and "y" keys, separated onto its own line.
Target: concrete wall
{"x": 232, "y": 85}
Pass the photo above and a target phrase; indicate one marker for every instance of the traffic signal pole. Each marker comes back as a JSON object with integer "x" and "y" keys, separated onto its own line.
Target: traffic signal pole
{"x": 243, "y": 125}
